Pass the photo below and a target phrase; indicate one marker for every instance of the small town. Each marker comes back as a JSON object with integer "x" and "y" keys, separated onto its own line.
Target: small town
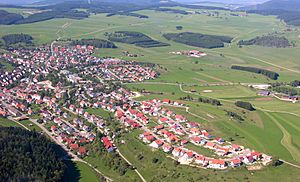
{"x": 56, "y": 88}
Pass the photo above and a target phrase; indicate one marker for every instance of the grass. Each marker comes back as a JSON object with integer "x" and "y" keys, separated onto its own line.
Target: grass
{"x": 79, "y": 172}
{"x": 7, "y": 123}
{"x": 99, "y": 112}
{"x": 275, "y": 133}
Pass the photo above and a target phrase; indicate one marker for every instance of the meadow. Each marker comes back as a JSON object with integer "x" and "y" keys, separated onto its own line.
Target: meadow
{"x": 273, "y": 128}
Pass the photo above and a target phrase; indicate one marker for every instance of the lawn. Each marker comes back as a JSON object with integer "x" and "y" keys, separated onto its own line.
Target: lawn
{"x": 79, "y": 172}
{"x": 7, "y": 123}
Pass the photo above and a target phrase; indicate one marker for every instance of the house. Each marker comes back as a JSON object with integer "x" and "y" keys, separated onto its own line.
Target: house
{"x": 148, "y": 138}
{"x": 107, "y": 144}
{"x": 74, "y": 146}
{"x": 157, "y": 144}
{"x": 200, "y": 159}
{"x": 210, "y": 145}
{"x": 189, "y": 155}
{"x": 158, "y": 128}
{"x": 217, "y": 164}
{"x": 167, "y": 148}
{"x": 82, "y": 151}
{"x": 166, "y": 101}
{"x": 235, "y": 162}
{"x": 177, "y": 152}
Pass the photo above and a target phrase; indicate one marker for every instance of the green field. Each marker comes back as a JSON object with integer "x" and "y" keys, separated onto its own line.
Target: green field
{"x": 273, "y": 128}
{"x": 77, "y": 171}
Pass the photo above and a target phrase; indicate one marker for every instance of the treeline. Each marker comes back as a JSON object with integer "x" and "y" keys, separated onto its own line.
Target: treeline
{"x": 48, "y": 15}
{"x": 235, "y": 116}
{"x": 198, "y": 40}
{"x": 98, "y": 43}
{"x": 127, "y": 14}
{"x": 267, "y": 41}
{"x": 211, "y": 101}
{"x": 289, "y": 17}
{"x": 295, "y": 83}
{"x": 28, "y": 156}
{"x": 286, "y": 90}
{"x": 136, "y": 38}
{"x": 272, "y": 75}
{"x": 17, "y": 38}
{"x": 169, "y": 10}
{"x": 245, "y": 105}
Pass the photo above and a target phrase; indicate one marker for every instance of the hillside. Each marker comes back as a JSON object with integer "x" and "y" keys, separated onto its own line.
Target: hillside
{"x": 287, "y": 5}
{"x": 287, "y": 10}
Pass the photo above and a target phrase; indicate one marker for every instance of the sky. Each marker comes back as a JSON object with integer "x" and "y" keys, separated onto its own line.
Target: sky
{"x": 182, "y": 1}
{"x": 226, "y": 1}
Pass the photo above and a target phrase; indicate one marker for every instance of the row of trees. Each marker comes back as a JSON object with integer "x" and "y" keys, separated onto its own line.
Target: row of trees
{"x": 198, "y": 40}
{"x": 270, "y": 74}
{"x": 245, "y": 105}
{"x": 128, "y": 14}
{"x": 267, "y": 41}
{"x": 28, "y": 156}
{"x": 98, "y": 43}
{"x": 235, "y": 116}
{"x": 295, "y": 83}
{"x": 136, "y": 38}
{"x": 211, "y": 101}
{"x": 169, "y": 10}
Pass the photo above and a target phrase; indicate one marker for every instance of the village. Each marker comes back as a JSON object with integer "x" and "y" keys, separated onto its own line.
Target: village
{"x": 56, "y": 87}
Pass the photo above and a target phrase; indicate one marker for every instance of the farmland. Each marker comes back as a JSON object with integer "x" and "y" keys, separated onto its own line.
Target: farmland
{"x": 273, "y": 128}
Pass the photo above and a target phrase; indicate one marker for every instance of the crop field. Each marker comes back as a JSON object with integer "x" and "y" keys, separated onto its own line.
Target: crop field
{"x": 274, "y": 127}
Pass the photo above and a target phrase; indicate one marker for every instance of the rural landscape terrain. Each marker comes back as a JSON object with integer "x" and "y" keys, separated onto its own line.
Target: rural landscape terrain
{"x": 150, "y": 91}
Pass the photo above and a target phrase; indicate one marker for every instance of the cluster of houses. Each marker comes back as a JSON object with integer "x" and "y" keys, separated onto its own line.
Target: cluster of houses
{"x": 191, "y": 53}
{"x": 63, "y": 107}
{"x": 265, "y": 92}
{"x": 173, "y": 132}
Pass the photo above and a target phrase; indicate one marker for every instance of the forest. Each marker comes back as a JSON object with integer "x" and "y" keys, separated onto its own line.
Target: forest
{"x": 272, "y": 75}
{"x": 17, "y": 38}
{"x": 245, "y": 105}
{"x": 28, "y": 156}
{"x": 7, "y": 18}
{"x": 98, "y": 43}
{"x": 267, "y": 41}
{"x": 198, "y": 40}
{"x": 136, "y": 38}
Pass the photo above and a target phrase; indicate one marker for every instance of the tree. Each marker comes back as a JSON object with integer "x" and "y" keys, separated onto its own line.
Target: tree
{"x": 245, "y": 105}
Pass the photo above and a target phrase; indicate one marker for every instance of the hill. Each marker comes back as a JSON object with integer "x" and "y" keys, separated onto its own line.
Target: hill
{"x": 287, "y": 10}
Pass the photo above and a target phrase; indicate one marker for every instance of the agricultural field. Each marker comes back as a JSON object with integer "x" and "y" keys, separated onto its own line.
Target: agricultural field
{"x": 273, "y": 128}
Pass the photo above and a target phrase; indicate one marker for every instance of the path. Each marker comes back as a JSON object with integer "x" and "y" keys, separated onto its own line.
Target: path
{"x": 13, "y": 120}
{"x": 137, "y": 172}
{"x": 286, "y": 139}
